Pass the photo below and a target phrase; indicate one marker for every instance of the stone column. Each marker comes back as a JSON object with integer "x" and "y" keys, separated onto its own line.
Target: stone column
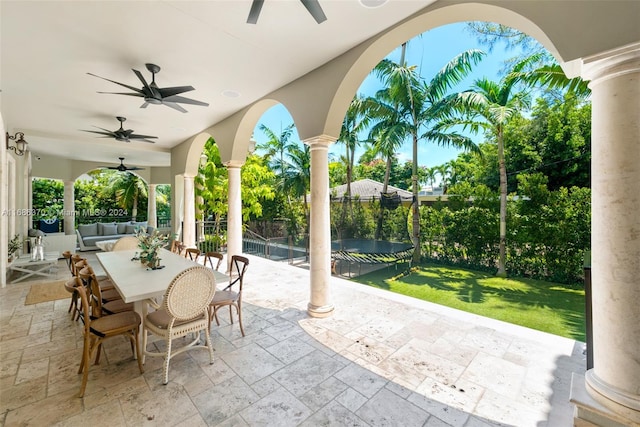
{"x": 189, "y": 220}
{"x": 234, "y": 216}
{"x": 152, "y": 218}
{"x": 320, "y": 228}
{"x": 614, "y": 380}
{"x": 69, "y": 208}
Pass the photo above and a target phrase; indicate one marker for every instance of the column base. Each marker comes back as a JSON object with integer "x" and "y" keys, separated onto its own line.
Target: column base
{"x": 322, "y": 311}
{"x": 590, "y": 412}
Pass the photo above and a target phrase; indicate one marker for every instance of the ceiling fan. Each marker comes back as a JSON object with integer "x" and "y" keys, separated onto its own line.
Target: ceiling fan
{"x": 122, "y": 134}
{"x": 122, "y": 168}
{"x": 313, "y": 6}
{"x": 152, "y": 94}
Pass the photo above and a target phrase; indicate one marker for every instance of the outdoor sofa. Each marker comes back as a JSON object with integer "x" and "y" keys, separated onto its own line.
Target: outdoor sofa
{"x": 90, "y": 234}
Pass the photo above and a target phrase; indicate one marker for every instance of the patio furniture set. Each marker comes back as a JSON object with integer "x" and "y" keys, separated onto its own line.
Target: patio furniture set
{"x": 178, "y": 300}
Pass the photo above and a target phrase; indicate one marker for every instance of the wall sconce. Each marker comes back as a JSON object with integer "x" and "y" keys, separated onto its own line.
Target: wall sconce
{"x": 20, "y": 144}
{"x": 252, "y": 145}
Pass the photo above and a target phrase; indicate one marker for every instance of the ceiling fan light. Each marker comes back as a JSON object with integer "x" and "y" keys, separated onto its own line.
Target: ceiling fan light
{"x": 371, "y": 4}
{"x": 230, "y": 93}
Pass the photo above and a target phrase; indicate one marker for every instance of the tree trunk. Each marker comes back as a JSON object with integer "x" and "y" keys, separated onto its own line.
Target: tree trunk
{"x": 134, "y": 210}
{"x": 385, "y": 186}
{"x": 502, "y": 256}
{"x": 415, "y": 207}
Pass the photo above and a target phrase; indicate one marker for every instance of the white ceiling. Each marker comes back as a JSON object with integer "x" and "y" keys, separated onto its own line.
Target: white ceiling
{"x": 47, "y": 49}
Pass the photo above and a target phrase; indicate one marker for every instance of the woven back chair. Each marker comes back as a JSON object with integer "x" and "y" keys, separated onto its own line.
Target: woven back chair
{"x": 96, "y": 330}
{"x": 212, "y": 257}
{"x": 232, "y": 294}
{"x": 125, "y": 243}
{"x": 184, "y": 311}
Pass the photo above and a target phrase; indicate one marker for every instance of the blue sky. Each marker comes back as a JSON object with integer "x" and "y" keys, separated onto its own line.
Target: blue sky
{"x": 430, "y": 52}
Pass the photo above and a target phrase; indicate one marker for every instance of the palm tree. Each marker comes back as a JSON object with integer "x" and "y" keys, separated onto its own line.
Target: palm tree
{"x": 355, "y": 121}
{"x": 128, "y": 189}
{"x": 297, "y": 174}
{"x": 423, "y": 105}
{"x": 277, "y": 146}
{"x": 491, "y": 105}
{"x": 387, "y": 135}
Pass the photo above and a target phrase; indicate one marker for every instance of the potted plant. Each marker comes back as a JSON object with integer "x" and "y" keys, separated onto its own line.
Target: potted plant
{"x": 15, "y": 245}
{"x": 149, "y": 245}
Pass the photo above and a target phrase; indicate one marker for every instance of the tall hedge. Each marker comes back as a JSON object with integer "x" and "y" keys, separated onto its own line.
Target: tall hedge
{"x": 548, "y": 231}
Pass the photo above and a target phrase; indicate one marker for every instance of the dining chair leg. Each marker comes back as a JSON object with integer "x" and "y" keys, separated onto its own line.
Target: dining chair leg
{"x": 134, "y": 341}
{"x": 240, "y": 319}
{"x": 209, "y": 344}
{"x": 165, "y": 367}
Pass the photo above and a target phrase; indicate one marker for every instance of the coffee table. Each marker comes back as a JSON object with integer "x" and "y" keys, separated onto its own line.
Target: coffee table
{"x": 46, "y": 268}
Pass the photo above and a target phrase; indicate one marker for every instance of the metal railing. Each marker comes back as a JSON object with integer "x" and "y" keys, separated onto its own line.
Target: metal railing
{"x": 276, "y": 248}
{"x": 212, "y": 236}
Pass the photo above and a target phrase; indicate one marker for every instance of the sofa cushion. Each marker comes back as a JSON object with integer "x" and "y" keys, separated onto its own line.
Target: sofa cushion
{"x": 109, "y": 229}
{"x": 130, "y": 229}
{"x": 122, "y": 228}
{"x": 88, "y": 230}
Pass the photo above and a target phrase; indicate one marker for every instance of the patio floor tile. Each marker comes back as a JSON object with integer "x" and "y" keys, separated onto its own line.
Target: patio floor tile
{"x": 379, "y": 359}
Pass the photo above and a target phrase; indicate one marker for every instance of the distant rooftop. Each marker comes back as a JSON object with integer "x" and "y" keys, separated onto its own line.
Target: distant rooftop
{"x": 368, "y": 189}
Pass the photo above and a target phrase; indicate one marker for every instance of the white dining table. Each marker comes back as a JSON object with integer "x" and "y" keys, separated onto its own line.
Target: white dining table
{"x": 136, "y": 283}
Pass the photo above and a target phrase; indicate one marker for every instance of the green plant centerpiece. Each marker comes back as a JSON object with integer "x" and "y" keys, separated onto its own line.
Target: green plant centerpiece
{"x": 14, "y": 246}
{"x": 150, "y": 245}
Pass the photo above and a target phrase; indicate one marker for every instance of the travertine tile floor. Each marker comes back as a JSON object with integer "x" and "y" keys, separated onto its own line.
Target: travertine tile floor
{"x": 380, "y": 360}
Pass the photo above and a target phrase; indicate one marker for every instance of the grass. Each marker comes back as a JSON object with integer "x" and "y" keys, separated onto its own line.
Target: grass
{"x": 545, "y": 306}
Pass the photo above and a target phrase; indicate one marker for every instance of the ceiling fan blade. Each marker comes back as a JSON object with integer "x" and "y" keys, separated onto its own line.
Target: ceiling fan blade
{"x": 166, "y": 92}
{"x": 139, "y": 95}
{"x": 254, "y": 13}
{"x": 135, "y": 169}
{"x": 183, "y": 100}
{"x": 110, "y": 132}
{"x": 313, "y": 6}
{"x": 174, "y": 106}
{"x": 135, "y": 89}
{"x": 141, "y": 78}
{"x": 136, "y": 136}
{"x": 107, "y": 133}
{"x": 144, "y": 140}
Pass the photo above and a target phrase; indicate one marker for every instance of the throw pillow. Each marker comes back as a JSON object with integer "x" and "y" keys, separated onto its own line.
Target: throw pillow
{"x": 109, "y": 229}
{"x": 122, "y": 228}
{"x": 130, "y": 229}
{"x": 88, "y": 230}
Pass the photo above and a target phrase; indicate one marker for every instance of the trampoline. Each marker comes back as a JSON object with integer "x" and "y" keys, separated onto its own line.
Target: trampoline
{"x": 365, "y": 251}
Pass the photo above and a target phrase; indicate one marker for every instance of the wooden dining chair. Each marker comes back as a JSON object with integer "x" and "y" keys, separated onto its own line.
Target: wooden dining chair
{"x": 176, "y": 247}
{"x": 98, "y": 329}
{"x": 74, "y": 261}
{"x": 67, "y": 257}
{"x": 183, "y": 311}
{"x": 99, "y": 304}
{"x": 108, "y": 291}
{"x": 231, "y": 295}
{"x": 210, "y": 257}
{"x": 192, "y": 253}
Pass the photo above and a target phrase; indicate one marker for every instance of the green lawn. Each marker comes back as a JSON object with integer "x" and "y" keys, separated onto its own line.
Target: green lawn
{"x": 546, "y": 306}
